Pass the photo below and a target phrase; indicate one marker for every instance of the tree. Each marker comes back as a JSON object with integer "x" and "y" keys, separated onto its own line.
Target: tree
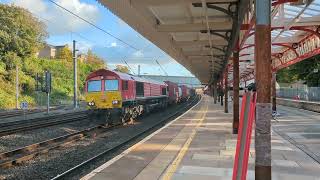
{"x": 20, "y": 32}
{"x": 65, "y": 53}
{"x": 121, "y": 68}
{"x": 94, "y": 59}
{"x": 307, "y": 70}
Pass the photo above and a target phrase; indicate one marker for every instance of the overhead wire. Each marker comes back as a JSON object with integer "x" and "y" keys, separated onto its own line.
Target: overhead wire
{"x": 101, "y": 29}
{"x": 162, "y": 68}
{"x": 92, "y": 24}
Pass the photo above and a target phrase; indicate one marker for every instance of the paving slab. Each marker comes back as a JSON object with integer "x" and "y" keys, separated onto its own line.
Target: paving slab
{"x": 199, "y": 145}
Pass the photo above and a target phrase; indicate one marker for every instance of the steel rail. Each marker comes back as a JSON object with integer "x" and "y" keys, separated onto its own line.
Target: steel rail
{"x": 17, "y": 156}
{"x": 23, "y": 125}
{"x": 298, "y": 145}
{"x": 19, "y": 112}
{"x": 82, "y": 165}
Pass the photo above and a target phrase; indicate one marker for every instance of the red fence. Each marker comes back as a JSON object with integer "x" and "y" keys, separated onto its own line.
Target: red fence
{"x": 247, "y": 117}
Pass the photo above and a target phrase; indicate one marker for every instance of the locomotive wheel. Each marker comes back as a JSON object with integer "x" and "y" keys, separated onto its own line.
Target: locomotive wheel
{"x": 146, "y": 109}
{"x": 92, "y": 114}
{"x": 131, "y": 121}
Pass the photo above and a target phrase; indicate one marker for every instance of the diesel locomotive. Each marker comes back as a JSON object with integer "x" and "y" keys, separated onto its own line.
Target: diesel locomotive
{"x": 119, "y": 97}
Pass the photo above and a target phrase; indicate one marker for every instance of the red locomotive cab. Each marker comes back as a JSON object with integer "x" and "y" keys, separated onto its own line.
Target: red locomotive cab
{"x": 103, "y": 90}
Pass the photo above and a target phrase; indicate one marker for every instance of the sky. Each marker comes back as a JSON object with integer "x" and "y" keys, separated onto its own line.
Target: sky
{"x": 63, "y": 28}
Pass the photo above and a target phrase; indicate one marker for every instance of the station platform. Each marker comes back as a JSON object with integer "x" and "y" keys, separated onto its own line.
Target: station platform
{"x": 199, "y": 145}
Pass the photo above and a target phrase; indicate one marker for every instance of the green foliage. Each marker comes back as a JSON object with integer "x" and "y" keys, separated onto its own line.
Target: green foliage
{"x": 286, "y": 76}
{"x": 62, "y": 81}
{"x": 94, "y": 59}
{"x": 20, "y": 32}
{"x": 303, "y": 70}
{"x": 65, "y": 53}
{"x": 123, "y": 69}
{"x": 21, "y": 36}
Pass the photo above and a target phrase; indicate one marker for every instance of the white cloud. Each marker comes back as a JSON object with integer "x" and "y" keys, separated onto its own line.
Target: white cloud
{"x": 114, "y": 44}
{"x": 60, "y": 21}
{"x": 138, "y": 54}
{"x": 83, "y": 47}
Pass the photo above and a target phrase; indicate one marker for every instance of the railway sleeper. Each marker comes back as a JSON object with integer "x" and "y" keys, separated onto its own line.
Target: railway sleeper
{"x": 19, "y": 156}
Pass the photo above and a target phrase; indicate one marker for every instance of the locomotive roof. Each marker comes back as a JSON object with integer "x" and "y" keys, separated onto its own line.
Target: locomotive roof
{"x": 124, "y": 76}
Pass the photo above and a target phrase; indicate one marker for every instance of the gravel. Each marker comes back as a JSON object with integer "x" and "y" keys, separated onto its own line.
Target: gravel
{"x": 59, "y": 160}
{"x": 14, "y": 141}
{"x": 27, "y": 116}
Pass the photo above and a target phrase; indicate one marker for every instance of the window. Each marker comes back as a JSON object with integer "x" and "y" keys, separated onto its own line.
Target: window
{"x": 125, "y": 85}
{"x": 111, "y": 85}
{"x": 94, "y": 86}
{"x": 164, "y": 91}
{"x": 139, "y": 89}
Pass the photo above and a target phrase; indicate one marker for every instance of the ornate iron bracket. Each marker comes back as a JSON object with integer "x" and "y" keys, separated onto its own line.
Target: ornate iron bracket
{"x": 231, "y": 11}
{"x": 226, "y": 36}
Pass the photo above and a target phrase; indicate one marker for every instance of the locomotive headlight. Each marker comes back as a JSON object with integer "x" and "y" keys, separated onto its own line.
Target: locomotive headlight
{"x": 91, "y": 103}
{"x": 115, "y": 102}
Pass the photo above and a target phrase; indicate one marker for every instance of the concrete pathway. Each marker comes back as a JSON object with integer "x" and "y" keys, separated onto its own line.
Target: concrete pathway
{"x": 199, "y": 145}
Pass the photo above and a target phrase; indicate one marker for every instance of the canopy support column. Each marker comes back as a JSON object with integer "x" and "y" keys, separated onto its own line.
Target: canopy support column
{"x": 235, "y": 124}
{"x": 215, "y": 93}
{"x": 263, "y": 86}
{"x": 226, "y": 91}
{"x": 274, "y": 91}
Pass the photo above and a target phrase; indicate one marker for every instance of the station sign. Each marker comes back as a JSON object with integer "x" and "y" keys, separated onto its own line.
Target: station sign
{"x": 24, "y": 105}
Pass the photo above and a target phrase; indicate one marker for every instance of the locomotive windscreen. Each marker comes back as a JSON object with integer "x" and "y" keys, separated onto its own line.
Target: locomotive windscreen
{"x": 139, "y": 89}
{"x": 111, "y": 85}
{"x": 94, "y": 86}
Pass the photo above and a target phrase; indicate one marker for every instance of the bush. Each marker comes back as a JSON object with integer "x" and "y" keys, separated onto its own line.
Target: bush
{"x": 62, "y": 81}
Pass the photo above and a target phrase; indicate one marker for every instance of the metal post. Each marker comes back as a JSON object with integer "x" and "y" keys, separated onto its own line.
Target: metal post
{"x": 235, "y": 123}
{"x": 48, "y": 102}
{"x": 221, "y": 92}
{"x": 218, "y": 95}
{"x": 274, "y": 91}
{"x": 215, "y": 93}
{"x": 75, "y": 104}
{"x": 212, "y": 91}
{"x": 139, "y": 70}
{"x": 37, "y": 90}
{"x": 263, "y": 86}
{"x": 17, "y": 87}
{"x": 226, "y": 91}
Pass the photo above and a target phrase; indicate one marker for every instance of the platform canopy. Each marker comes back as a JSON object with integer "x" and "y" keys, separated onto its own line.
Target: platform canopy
{"x": 294, "y": 35}
{"x": 199, "y": 34}
{"x": 202, "y": 34}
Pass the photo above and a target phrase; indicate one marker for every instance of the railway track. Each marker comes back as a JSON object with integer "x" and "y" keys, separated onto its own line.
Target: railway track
{"x": 13, "y": 113}
{"x": 23, "y": 125}
{"x": 76, "y": 170}
{"x": 20, "y": 155}
{"x": 300, "y": 146}
{"x": 7, "y": 114}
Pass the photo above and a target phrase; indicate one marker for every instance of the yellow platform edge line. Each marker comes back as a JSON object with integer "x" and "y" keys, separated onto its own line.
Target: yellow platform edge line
{"x": 176, "y": 162}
